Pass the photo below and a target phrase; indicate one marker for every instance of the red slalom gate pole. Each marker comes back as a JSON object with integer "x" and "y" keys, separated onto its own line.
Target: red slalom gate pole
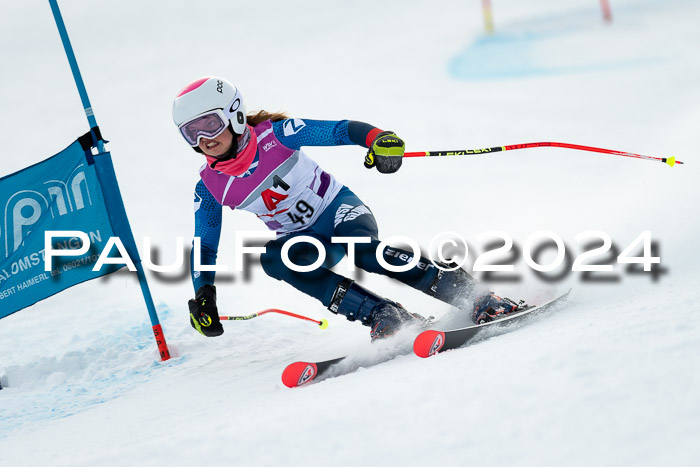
{"x": 466, "y": 152}
{"x": 322, "y": 323}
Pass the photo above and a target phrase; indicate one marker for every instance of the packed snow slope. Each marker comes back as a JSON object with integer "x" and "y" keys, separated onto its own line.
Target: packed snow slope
{"x": 610, "y": 379}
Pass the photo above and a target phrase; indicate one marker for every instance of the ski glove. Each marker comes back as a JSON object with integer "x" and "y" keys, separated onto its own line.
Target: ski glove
{"x": 385, "y": 153}
{"x": 204, "y": 316}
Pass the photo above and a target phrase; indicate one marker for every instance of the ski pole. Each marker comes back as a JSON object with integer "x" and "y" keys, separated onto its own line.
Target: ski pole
{"x": 465, "y": 152}
{"x": 323, "y": 323}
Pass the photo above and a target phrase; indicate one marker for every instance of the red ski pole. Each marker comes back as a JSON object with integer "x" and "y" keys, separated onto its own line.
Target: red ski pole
{"x": 322, "y": 323}
{"x": 465, "y": 152}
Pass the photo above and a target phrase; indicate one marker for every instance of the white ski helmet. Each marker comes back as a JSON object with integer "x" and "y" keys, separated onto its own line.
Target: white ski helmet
{"x": 209, "y": 94}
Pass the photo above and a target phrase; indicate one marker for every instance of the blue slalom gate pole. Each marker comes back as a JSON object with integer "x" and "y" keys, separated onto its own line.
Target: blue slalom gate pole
{"x": 76, "y": 72}
{"x": 112, "y": 196}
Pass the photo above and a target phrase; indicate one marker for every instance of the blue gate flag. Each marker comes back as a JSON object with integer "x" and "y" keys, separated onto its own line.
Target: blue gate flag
{"x": 62, "y": 192}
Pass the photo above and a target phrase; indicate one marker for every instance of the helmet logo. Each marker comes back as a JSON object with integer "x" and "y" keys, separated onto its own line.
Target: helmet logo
{"x": 220, "y": 86}
{"x": 235, "y": 105}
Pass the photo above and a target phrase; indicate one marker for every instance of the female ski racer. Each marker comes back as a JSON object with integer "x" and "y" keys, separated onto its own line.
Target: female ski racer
{"x": 255, "y": 163}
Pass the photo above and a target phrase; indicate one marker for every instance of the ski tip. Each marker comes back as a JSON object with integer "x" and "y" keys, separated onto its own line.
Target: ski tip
{"x": 428, "y": 343}
{"x": 298, "y": 373}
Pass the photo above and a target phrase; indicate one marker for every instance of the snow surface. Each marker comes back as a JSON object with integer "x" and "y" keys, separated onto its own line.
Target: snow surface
{"x": 612, "y": 379}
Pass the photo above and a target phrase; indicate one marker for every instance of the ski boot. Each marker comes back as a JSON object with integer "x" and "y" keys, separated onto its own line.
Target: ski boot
{"x": 384, "y": 317}
{"x": 458, "y": 288}
{"x": 453, "y": 287}
{"x": 491, "y": 307}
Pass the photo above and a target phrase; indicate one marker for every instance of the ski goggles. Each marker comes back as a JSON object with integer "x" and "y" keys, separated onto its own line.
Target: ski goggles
{"x": 208, "y": 125}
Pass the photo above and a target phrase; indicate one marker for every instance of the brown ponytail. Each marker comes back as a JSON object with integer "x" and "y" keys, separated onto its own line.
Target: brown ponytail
{"x": 256, "y": 118}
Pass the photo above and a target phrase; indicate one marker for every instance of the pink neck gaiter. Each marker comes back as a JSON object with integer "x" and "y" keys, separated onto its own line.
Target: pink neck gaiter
{"x": 238, "y": 165}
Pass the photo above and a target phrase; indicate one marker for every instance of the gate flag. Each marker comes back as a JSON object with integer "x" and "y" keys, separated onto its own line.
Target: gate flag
{"x": 62, "y": 192}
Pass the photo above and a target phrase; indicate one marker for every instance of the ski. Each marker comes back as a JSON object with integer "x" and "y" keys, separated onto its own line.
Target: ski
{"x": 300, "y": 373}
{"x": 431, "y": 342}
